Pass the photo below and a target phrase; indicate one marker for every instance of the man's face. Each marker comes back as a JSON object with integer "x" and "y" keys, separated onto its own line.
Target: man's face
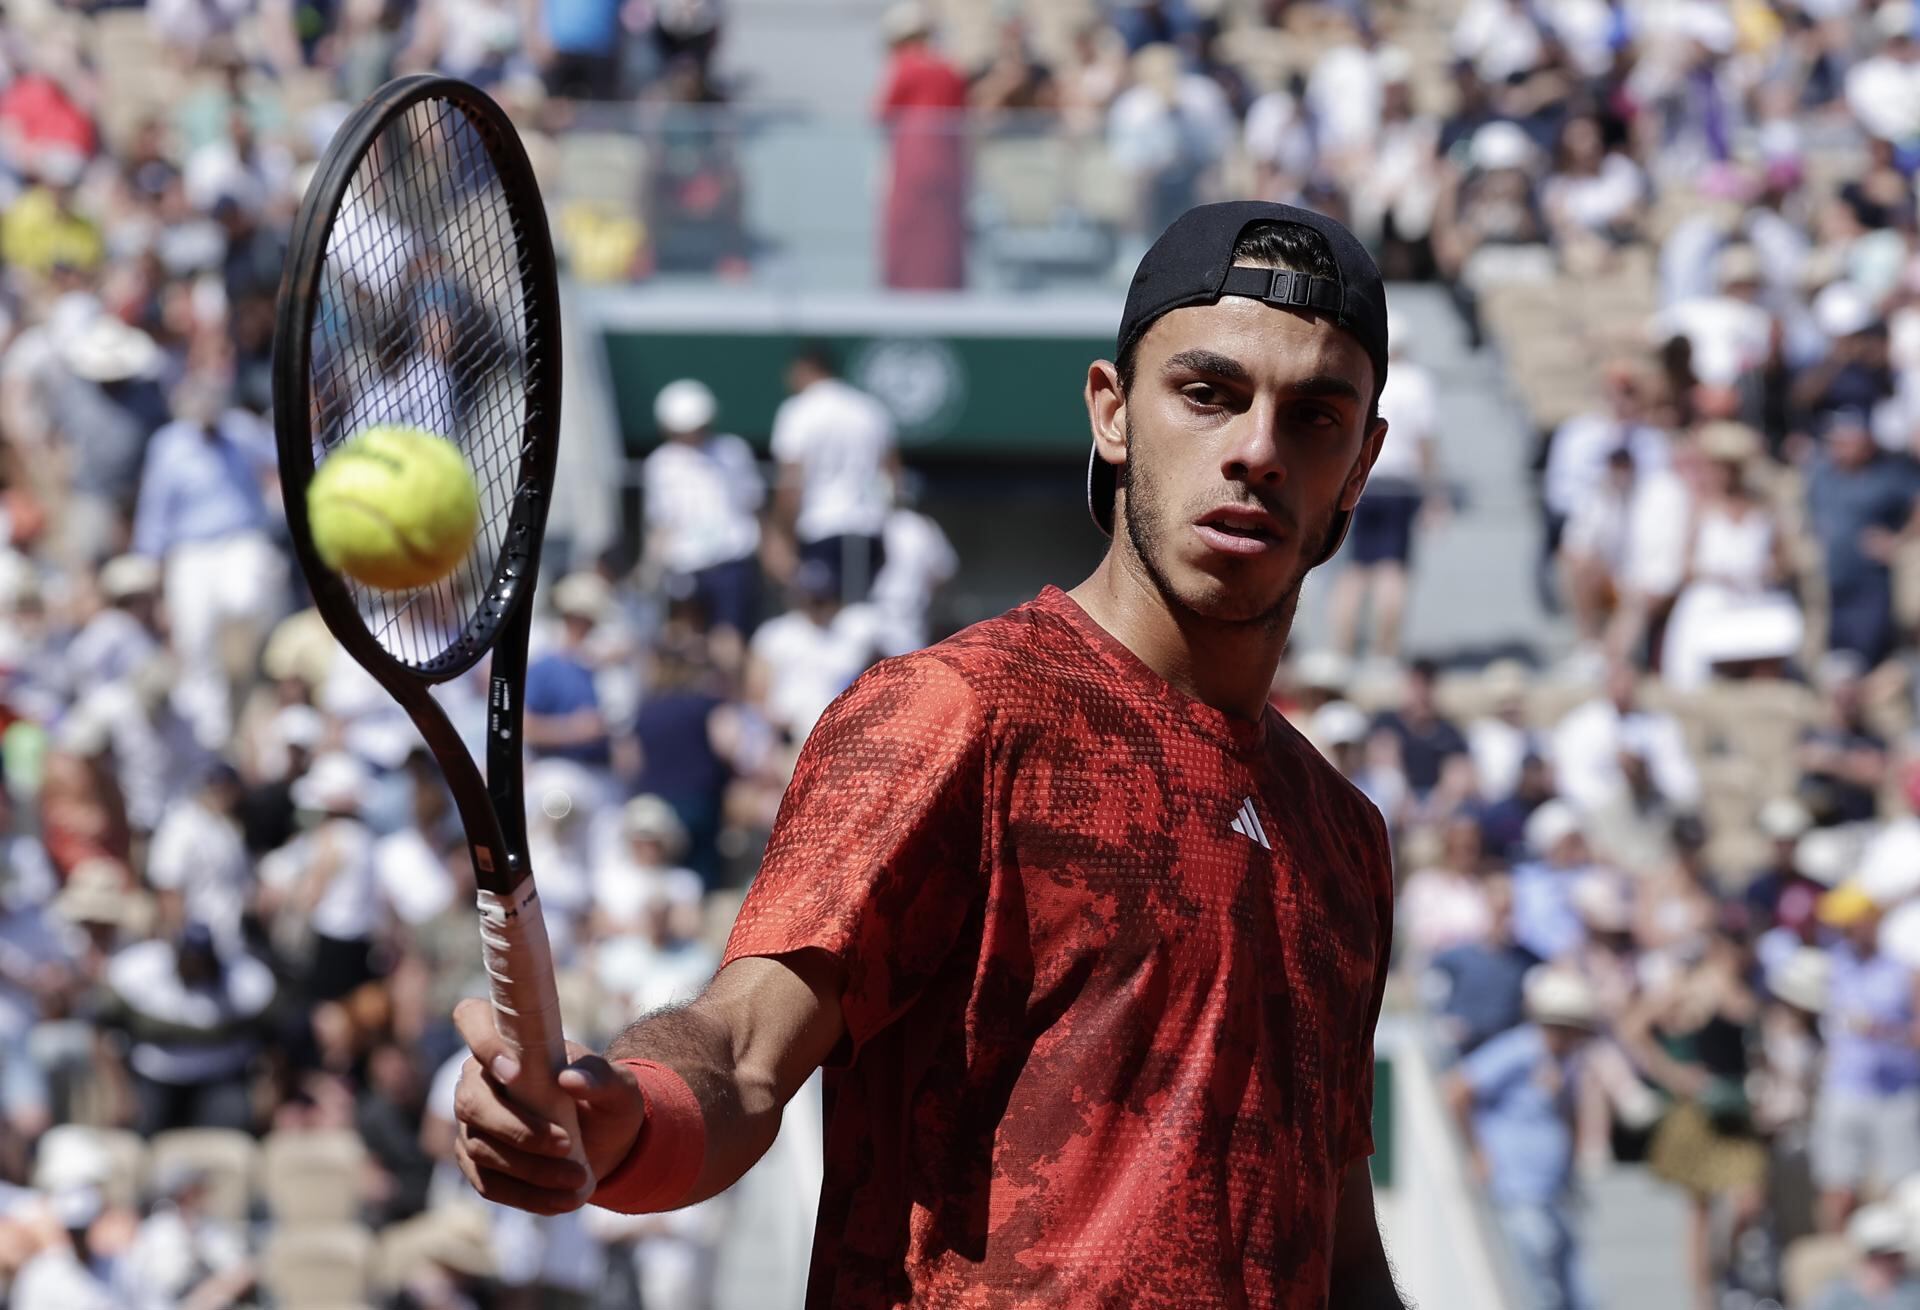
{"x": 1246, "y": 432}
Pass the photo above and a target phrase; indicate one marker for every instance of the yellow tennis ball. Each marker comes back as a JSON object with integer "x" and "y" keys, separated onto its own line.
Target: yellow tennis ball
{"x": 394, "y": 507}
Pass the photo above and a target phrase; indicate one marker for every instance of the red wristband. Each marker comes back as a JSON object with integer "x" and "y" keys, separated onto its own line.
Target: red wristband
{"x": 666, "y": 1157}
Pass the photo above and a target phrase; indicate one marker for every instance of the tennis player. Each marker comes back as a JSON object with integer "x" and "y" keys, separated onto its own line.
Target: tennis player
{"x": 1090, "y": 941}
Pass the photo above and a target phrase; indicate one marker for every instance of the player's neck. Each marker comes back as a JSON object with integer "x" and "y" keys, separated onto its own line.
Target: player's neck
{"x": 1227, "y": 666}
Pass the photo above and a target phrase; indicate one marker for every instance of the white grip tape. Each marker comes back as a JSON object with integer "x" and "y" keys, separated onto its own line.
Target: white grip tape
{"x": 519, "y": 961}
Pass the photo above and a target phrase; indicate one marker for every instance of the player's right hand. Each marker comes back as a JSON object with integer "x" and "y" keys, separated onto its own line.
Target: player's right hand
{"x": 513, "y": 1148}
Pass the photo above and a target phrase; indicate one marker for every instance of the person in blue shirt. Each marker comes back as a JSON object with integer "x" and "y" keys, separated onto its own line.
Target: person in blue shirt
{"x": 577, "y": 44}
{"x": 1478, "y": 988}
{"x": 563, "y": 714}
{"x": 1545, "y": 920}
{"x": 1514, "y": 1098}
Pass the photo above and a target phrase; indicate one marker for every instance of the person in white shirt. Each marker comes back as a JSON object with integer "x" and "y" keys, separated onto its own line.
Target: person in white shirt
{"x": 804, "y": 658}
{"x": 1589, "y": 742}
{"x": 920, "y": 560}
{"x": 1578, "y": 452}
{"x": 1500, "y": 742}
{"x": 198, "y": 862}
{"x": 835, "y": 447}
{"x": 325, "y": 881}
{"x": 703, "y": 497}
{"x": 645, "y": 864}
{"x": 1658, "y": 537}
{"x": 121, "y": 635}
{"x": 1593, "y": 553}
{"x": 1405, "y": 481}
{"x": 1730, "y": 332}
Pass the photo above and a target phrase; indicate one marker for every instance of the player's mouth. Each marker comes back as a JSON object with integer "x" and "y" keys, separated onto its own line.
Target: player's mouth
{"x": 1240, "y": 530}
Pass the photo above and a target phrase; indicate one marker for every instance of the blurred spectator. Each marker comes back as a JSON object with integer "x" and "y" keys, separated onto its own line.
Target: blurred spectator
{"x": 1842, "y": 760}
{"x": 195, "y": 1015}
{"x": 1012, "y": 79}
{"x": 686, "y": 735}
{"x": 1514, "y": 1098}
{"x": 1546, "y": 919}
{"x": 703, "y": 494}
{"x": 1861, "y": 504}
{"x": 1430, "y": 746}
{"x": 644, "y": 863}
{"x": 1869, "y": 1100}
{"x": 563, "y": 716}
{"x": 1883, "y": 1237}
{"x": 809, "y": 655}
{"x": 919, "y": 562}
{"x": 576, "y": 43}
{"x": 923, "y": 233}
{"x": 1501, "y": 741}
{"x": 835, "y": 447}
{"x": 1583, "y": 458}
{"x": 1729, "y": 609}
{"x": 198, "y": 859}
{"x": 124, "y": 633}
{"x": 1478, "y": 986}
{"x": 1444, "y": 904}
{"x": 202, "y": 515}
{"x": 1366, "y": 758}
{"x": 182, "y": 1254}
{"x": 320, "y": 890}
{"x": 1690, "y": 1035}
{"x": 1404, "y": 486}
{"x": 1590, "y": 743}
{"x": 1167, "y": 132}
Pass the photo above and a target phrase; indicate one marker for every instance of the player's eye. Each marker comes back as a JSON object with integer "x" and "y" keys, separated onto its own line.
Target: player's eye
{"x": 1202, "y": 395}
{"x": 1316, "y": 416}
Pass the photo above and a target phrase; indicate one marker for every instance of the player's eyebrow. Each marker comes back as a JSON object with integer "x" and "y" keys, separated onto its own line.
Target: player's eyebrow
{"x": 1330, "y": 386}
{"x": 1201, "y": 360}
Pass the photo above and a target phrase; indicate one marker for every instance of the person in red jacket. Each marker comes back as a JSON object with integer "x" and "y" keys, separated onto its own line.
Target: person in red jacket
{"x": 924, "y": 230}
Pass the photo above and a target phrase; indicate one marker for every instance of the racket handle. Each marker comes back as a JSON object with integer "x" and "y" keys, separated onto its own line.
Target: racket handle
{"x": 519, "y": 962}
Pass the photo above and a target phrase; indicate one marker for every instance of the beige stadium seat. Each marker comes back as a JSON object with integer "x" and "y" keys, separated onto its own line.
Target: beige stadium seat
{"x": 606, "y": 166}
{"x": 230, "y": 1160}
{"x": 115, "y": 1156}
{"x": 317, "y": 1266}
{"x": 1811, "y": 1263}
{"x": 456, "y": 1237}
{"x": 1026, "y": 178}
{"x": 313, "y": 1177}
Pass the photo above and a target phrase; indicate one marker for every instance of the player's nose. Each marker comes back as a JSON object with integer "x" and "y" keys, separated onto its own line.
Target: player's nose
{"x": 1253, "y": 452}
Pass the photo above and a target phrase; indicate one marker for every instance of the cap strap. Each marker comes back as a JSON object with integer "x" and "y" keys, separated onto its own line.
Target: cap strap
{"x": 1283, "y": 288}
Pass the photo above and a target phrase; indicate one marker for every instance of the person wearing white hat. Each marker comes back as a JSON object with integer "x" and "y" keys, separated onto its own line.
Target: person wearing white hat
{"x": 565, "y": 716}
{"x": 321, "y": 890}
{"x": 123, "y": 633}
{"x": 1883, "y": 1279}
{"x": 1514, "y": 1099}
{"x": 646, "y": 864}
{"x": 836, "y": 448}
{"x": 1545, "y": 918}
{"x": 203, "y": 516}
{"x": 703, "y": 495}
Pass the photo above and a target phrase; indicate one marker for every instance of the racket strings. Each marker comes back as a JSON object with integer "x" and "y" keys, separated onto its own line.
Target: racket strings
{"x": 422, "y": 320}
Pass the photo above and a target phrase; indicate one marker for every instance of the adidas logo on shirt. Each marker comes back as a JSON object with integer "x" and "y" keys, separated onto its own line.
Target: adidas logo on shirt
{"x": 1247, "y": 824}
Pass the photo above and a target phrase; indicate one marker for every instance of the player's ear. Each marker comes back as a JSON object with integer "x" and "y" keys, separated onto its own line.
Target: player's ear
{"x": 1357, "y": 479}
{"x": 1107, "y": 411}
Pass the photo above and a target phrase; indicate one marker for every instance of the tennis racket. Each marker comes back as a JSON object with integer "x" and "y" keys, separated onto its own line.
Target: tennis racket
{"x": 420, "y": 289}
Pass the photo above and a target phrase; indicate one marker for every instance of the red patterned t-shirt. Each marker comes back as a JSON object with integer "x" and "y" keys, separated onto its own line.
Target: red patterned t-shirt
{"x": 1113, "y": 960}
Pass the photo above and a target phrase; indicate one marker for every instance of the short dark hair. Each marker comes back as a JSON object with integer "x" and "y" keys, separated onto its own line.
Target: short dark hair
{"x": 1272, "y": 244}
{"x": 817, "y": 355}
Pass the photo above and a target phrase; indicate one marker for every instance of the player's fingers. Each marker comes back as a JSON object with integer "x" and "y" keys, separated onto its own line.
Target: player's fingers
{"x": 474, "y": 1019}
{"x": 497, "y": 1187}
{"x": 598, "y": 1085}
{"x": 482, "y": 1106}
{"x": 543, "y": 1171}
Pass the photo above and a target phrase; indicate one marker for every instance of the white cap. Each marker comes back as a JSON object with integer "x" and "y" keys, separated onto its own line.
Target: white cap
{"x": 1339, "y": 723}
{"x": 649, "y": 816}
{"x": 300, "y": 726}
{"x": 905, "y": 20}
{"x": 684, "y": 406}
{"x": 1560, "y": 997}
{"x": 582, "y": 595}
{"x": 1500, "y": 145}
{"x": 129, "y": 575}
{"x": 1841, "y": 310}
{"x": 337, "y": 781}
{"x": 1879, "y": 1230}
{"x": 1603, "y": 903}
{"x": 1894, "y": 18}
{"x": 1826, "y": 855}
{"x": 1801, "y": 978}
{"x": 1783, "y": 818}
{"x": 1551, "y": 824}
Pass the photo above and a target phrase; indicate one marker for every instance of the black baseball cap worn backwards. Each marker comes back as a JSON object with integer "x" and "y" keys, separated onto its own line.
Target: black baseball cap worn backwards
{"x": 1192, "y": 264}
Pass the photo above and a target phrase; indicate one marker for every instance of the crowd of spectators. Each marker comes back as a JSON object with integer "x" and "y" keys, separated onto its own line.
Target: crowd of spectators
{"x": 235, "y": 900}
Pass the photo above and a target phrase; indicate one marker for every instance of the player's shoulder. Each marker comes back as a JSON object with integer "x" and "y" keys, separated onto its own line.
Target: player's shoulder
{"x": 978, "y": 667}
{"x": 1340, "y": 800}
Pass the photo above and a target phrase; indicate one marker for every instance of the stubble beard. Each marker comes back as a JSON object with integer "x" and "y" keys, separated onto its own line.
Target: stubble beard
{"x": 1146, "y": 533}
